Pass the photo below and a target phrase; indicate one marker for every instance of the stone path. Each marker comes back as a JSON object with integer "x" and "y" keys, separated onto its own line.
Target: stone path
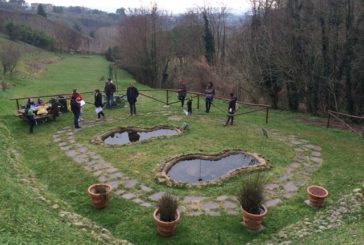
{"x": 328, "y": 218}
{"x": 307, "y": 160}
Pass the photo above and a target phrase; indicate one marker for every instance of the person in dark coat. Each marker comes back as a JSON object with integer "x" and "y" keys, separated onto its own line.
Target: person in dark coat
{"x": 182, "y": 91}
{"x": 98, "y": 104}
{"x": 231, "y": 110}
{"x": 209, "y": 95}
{"x": 132, "y": 94}
{"x": 75, "y": 94}
{"x": 31, "y": 118}
{"x": 30, "y": 103}
{"x": 76, "y": 109}
{"x": 109, "y": 90}
{"x": 189, "y": 106}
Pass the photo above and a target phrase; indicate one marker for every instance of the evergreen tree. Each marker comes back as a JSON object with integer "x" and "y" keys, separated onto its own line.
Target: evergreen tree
{"x": 40, "y": 11}
{"x": 209, "y": 41}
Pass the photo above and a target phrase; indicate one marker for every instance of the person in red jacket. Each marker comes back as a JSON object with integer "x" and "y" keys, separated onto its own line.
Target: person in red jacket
{"x": 76, "y": 95}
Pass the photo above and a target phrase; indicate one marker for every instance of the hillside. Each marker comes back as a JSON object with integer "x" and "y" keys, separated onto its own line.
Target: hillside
{"x": 66, "y": 38}
{"x": 94, "y": 24}
{"x": 45, "y": 175}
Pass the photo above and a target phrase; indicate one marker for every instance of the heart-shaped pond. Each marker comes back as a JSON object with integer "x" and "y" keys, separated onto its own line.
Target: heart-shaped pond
{"x": 126, "y": 135}
{"x": 199, "y": 168}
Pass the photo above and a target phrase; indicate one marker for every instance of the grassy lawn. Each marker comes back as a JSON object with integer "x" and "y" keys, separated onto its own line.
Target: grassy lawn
{"x": 25, "y": 219}
{"x": 340, "y": 173}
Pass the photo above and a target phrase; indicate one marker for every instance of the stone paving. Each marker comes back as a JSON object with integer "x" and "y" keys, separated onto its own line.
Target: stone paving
{"x": 307, "y": 160}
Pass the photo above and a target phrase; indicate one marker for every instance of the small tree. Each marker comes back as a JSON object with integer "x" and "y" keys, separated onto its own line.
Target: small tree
{"x": 40, "y": 11}
{"x": 9, "y": 57}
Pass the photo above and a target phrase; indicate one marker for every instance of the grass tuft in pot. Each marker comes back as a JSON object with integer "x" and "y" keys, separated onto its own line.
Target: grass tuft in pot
{"x": 251, "y": 195}
{"x": 167, "y": 206}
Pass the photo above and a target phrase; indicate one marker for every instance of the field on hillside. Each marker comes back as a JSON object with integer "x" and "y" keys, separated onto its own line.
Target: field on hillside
{"x": 44, "y": 181}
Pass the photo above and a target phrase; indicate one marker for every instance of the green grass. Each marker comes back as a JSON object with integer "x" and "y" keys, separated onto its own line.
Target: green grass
{"x": 141, "y": 160}
{"x": 341, "y": 172}
{"x": 25, "y": 219}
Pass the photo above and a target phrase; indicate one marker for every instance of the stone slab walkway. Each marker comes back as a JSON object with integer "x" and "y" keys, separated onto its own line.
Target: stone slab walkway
{"x": 307, "y": 160}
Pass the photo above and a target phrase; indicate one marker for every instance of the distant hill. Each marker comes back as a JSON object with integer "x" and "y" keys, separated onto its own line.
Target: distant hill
{"x": 66, "y": 38}
{"x": 93, "y": 23}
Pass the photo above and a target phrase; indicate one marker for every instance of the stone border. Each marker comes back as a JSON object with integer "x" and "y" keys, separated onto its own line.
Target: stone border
{"x": 162, "y": 177}
{"x": 284, "y": 186}
{"x": 99, "y": 139}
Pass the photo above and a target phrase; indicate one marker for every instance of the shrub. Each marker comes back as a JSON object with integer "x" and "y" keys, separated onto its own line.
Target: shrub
{"x": 167, "y": 205}
{"x": 251, "y": 193}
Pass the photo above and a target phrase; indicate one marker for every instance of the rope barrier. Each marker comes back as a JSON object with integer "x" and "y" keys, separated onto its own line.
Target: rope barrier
{"x": 191, "y": 95}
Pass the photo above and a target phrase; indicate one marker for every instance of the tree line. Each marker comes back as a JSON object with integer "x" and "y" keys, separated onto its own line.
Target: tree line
{"x": 293, "y": 54}
{"x": 28, "y": 35}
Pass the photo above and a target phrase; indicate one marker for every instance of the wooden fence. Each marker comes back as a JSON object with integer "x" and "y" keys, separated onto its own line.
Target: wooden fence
{"x": 167, "y": 101}
{"x": 336, "y": 115}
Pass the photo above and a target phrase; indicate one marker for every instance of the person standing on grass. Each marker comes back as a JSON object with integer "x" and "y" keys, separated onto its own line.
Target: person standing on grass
{"x": 231, "y": 110}
{"x": 109, "y": 90}
{"x": 209, "y": 95}
{"x": 76, "y": 109}
{"x": 98, "y": 104}
{"x": 182, "y": 91}
{"x": 189, "y": 106}
{"x": 75, "y": 94}
{"x": 132, "y": 94}
{"x": 31, "y": 118}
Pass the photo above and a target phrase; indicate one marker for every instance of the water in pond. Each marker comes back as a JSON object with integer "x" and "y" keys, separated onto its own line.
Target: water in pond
{"x": 195, "y": 170}
{"x": 125, "y": 137}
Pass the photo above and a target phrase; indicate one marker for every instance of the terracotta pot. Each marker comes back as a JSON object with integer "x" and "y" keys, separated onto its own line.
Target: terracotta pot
{"x": 254, "y": 221}
{"x": 316, "y": 195}
{"x": 166, "y": 229}
{"x": 99, "y": 194}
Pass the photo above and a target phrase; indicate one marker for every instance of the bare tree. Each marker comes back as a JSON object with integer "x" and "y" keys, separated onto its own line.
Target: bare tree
{"x": 144, "y": 46}
{"x": 9, "y": 57}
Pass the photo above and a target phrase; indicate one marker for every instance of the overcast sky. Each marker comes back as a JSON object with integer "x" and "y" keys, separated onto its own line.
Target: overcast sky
{"x": 175, "y": 6}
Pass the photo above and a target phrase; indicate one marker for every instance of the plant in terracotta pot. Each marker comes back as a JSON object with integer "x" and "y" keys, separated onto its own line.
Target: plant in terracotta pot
{"x": 99, "y": 194}
{"x": 251, "y": 200}
{"x": 166, "y": 215}
{"x": 316, "y": 195}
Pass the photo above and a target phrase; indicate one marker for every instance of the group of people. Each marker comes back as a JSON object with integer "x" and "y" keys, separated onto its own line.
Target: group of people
{"x": 209, "y": 97}
{"x": 132, "y": 93}
{"x": 40, "y": 107}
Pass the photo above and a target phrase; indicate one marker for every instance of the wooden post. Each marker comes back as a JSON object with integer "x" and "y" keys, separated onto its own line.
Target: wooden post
{"x": 167, "y": 97}
{"x": 328, "y": 121}
{"x": 17, "y": 104}
{"x": 198, "y": 102}
{"x": 267, "y": 115}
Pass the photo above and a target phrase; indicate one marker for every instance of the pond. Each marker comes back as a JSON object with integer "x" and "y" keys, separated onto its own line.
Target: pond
{"x": 127, "y": 136}
{"x": 198, "y": 168}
